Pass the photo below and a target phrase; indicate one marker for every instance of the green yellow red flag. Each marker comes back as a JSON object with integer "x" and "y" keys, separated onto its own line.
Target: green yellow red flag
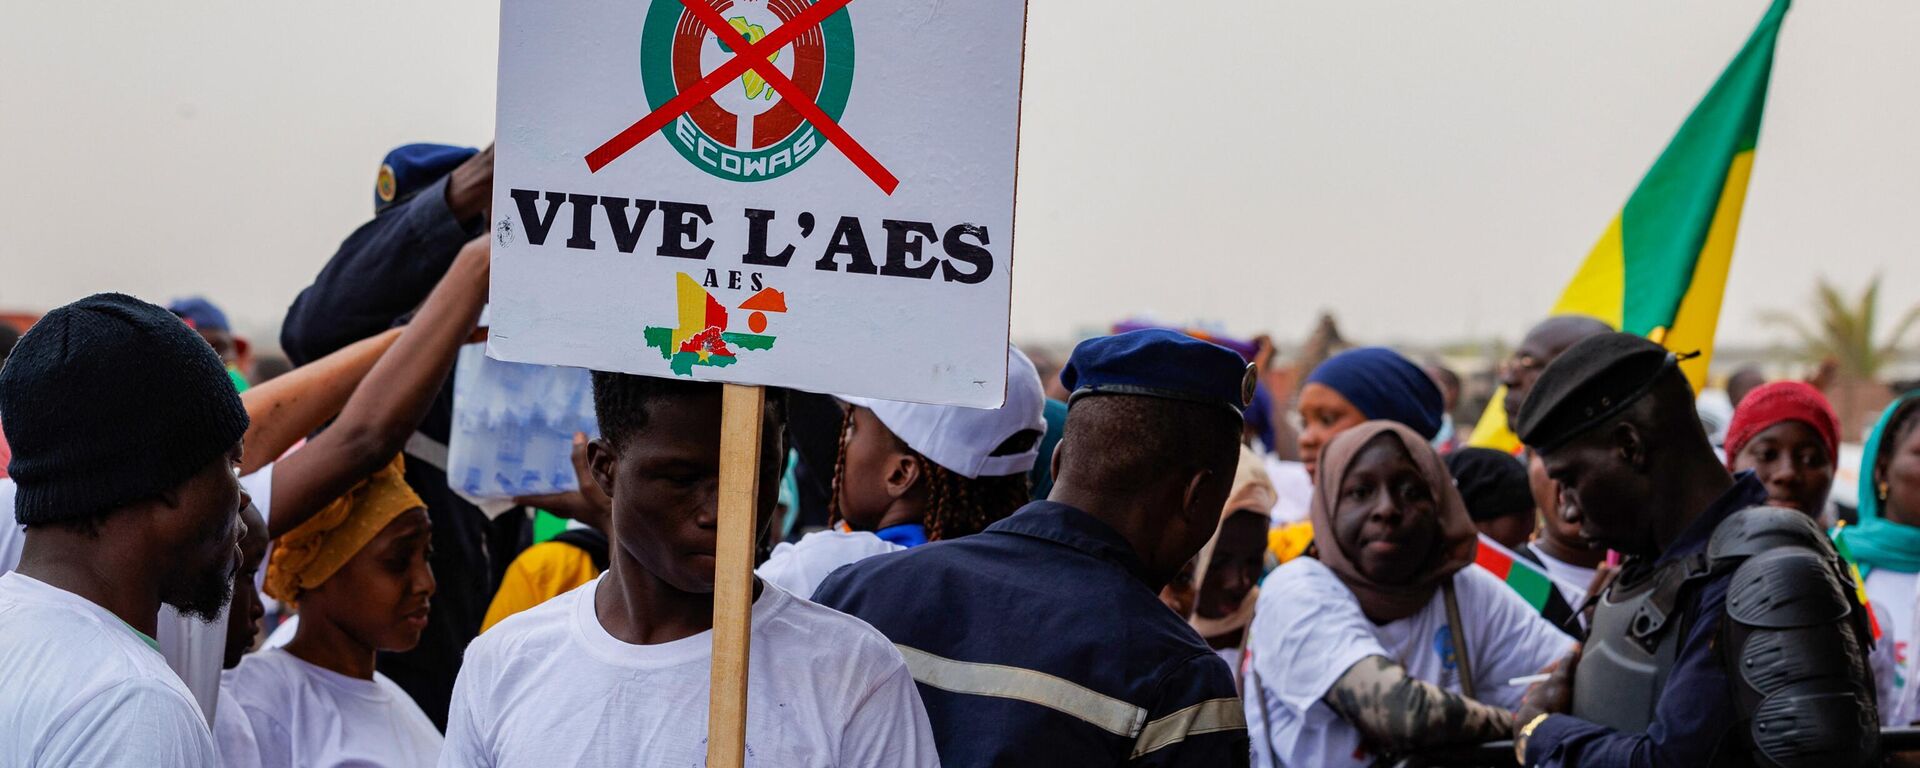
{"x": 1660, "y": 268}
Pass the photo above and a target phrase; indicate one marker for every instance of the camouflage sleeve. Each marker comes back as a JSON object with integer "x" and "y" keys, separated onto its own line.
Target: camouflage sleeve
{"x": 1397, "y": 713}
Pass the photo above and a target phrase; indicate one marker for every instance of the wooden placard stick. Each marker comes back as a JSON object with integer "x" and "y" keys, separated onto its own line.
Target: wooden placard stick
{"x": 741, "y": 409}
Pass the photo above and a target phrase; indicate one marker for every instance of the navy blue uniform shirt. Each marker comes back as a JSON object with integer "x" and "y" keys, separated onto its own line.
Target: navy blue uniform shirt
{"x": 381, "y": 273}
{"x": 1038, "y": 642}
{"x": 1695, "y": 712}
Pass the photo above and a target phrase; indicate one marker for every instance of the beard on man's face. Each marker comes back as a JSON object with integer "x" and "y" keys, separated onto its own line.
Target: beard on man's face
{"x": 203, "y": 595}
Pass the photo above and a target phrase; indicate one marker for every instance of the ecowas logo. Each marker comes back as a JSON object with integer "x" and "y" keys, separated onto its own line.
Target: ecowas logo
{"x": 746, "y": 131}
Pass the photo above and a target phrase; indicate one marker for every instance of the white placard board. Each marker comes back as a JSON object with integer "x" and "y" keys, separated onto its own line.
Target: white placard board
{"x": 739, "y": 241}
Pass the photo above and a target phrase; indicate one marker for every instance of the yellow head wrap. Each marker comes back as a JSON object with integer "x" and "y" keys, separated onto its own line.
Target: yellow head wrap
{"x": 310, "y": 554}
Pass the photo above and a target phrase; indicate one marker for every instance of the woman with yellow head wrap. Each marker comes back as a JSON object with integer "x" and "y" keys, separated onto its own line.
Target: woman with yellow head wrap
{"x": 358, "y": 573}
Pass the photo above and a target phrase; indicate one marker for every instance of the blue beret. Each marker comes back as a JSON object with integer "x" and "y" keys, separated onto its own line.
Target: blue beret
{"x": 200, "y": 314}
{"x": 1385, "y": 386}
{"x": 406, "y": 169}
{"x": 1159, "y": 363}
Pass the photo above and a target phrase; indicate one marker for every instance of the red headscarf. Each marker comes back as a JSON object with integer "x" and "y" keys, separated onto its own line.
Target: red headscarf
{"x": 1781, "y": 401}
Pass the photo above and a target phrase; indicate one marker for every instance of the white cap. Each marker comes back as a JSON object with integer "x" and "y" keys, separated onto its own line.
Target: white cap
{"x": 962, "y": 439}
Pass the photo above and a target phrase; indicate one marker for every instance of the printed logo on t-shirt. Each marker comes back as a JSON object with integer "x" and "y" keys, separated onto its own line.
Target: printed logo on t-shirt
{"x": 1443, "y": 646}
{"x": 1899, "y": 665}
{"x": 1443, "y": 649}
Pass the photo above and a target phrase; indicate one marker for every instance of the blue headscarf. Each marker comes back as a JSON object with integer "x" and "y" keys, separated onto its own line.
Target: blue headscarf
{"x": 1259, "y": 414}
{"x": 1878, "y": 542}
{"x": 1385, "y": 386}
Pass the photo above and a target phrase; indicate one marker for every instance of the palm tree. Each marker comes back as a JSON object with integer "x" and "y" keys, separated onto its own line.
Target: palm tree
{"x": 1842, "y": 334}
{"x": 1841, "y": 342}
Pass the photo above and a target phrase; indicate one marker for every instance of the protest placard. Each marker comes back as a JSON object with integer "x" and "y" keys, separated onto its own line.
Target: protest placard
{"x": 842, "y": 223}
{"x": 816, "y": 195}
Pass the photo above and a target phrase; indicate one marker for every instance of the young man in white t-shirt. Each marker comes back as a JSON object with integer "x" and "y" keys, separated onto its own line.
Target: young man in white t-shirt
{"x": 126, "y": 434}
{"x": 615, "y": 673}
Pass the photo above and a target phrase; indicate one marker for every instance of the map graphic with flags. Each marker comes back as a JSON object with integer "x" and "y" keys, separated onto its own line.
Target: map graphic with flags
{"x": 702, "y": 337}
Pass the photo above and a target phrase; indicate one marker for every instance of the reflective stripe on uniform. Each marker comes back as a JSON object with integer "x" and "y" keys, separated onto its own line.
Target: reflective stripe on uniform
{"x": 1209, "y": 716}
{"x": 1059, "y": 694}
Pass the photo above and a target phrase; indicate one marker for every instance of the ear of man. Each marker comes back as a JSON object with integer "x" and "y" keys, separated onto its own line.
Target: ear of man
{"x": 1053, "y": 462}
{"x": 1630, "y": 446}
{"x": 1198, "y": 502}
{"x": 601, "y": 459}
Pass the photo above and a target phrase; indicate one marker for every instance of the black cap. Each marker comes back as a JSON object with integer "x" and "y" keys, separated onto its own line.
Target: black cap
{"x": 109, "y": 399}
{"x": 1593, "y": 381}
{"x": 1492, "y": 483}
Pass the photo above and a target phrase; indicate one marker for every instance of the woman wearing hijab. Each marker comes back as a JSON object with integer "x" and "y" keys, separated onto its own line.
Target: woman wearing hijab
{"x": 1217, "y": 592}
{"x": 1787, "y": 434}
{"x": 1365, "y": 384}
{"x": 358, "y": 573}
{"x": 1886, "y": 543}
{"x": 1355, "y": 386}
{"x": 1356, "y": 651}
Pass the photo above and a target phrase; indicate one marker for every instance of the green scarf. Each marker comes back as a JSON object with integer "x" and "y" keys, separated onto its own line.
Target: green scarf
{"x": 1878, "y": 542}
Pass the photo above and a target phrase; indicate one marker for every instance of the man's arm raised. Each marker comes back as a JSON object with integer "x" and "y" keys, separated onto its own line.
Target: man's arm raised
{"x": 390, "y": 402}
{"x": 294, "y": 404}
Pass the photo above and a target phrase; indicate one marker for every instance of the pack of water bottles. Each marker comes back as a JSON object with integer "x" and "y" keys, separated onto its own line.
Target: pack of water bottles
{"x": 513, "y": 427}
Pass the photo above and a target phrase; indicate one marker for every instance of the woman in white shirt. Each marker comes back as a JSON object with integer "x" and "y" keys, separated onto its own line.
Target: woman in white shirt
{"x": 358, "y": 572}
{"x": 1354, "y": 654}
{"x": 1885, "y": 544}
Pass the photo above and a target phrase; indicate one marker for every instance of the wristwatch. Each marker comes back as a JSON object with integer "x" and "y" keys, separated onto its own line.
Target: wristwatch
{"x": 1520, "y": 739}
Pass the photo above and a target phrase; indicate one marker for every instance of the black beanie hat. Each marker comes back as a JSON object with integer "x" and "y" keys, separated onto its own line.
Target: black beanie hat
{"x": 107, "y": 400}
{"x": 1493, "y": 483}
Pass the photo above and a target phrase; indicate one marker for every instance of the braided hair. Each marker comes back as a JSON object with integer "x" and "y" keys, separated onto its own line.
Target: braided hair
{"x": 956, "y": 505}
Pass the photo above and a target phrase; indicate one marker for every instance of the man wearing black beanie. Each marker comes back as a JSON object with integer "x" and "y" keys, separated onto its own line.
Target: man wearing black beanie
{"x": 125, "y": 433}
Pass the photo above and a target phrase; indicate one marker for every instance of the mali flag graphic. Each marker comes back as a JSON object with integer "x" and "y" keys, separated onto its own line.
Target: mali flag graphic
{"x": 1660, "y": 269}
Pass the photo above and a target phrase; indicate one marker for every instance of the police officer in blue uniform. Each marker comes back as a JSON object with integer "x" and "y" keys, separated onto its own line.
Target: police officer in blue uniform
{"x": 429, "y": 200}
{"x": 1731, "y": 637}
{"x": 1042, "y": 641}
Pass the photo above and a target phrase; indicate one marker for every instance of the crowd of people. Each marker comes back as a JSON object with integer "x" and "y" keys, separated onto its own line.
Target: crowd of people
{"x": 1121, "y": 565}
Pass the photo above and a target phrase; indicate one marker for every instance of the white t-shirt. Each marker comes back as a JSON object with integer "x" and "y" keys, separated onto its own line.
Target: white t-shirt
{"x": 1896, "y": 699}
{"x": 1309, "y": 630}
{"x": 194, "y": 650}
{"x": 12, "y": 534}
{"x": 1892, "y": 594}
{"x": 80, "y": 687}
{"x": 297, "y": 714}
{"x": 1571, "y": 579}
{"x": 799, "y": 568}
{"x": 233, "y": 735}
{"x": 1293, "y": 490}
{"x": 549, "y": 686}
{"x": 259, "y": 486}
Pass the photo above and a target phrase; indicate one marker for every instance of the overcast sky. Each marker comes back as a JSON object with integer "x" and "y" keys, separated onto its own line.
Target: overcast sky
{"x": 1427, "y": 170}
